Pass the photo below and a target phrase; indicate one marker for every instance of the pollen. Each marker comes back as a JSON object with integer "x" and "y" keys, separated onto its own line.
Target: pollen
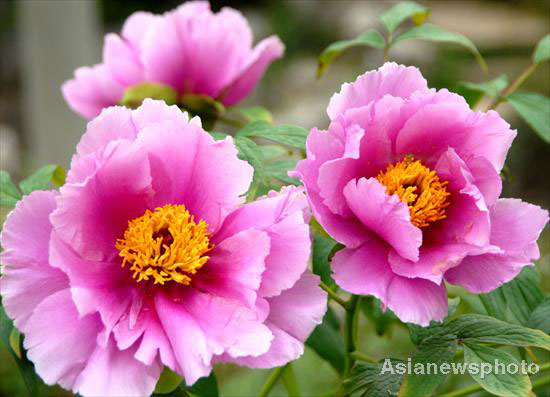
{"x": 165, "y": 245}
{"x": 419, "y": 187}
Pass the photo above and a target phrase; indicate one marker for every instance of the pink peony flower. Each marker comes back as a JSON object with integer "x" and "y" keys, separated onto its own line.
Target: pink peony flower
{"x": 407, "y": 178}
{"x": 147, "y": 257}
{"x": 190, "y": 49}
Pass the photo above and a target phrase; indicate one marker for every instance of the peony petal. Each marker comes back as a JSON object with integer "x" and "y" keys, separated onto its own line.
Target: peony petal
{"x": 92, "y": 215}
{"x": 235, "y": 267}
{"x": 27, "y": 277}
{"x": 122, "y": 61}
{"x": 265, "y": 52}
{"x": 281, "y": 216}
{"x": 111, "y": 372}
{"x": 293, "y": 316}
{"x": 209, "y": 180}
{"x": 136, "y": 26}
{"x": 55, "y": 330}
{"x": 396, "y": 80}
{"x": 385, "y": 215}
{"x": 91, "y": 90}
{"x": 366, "y": 271}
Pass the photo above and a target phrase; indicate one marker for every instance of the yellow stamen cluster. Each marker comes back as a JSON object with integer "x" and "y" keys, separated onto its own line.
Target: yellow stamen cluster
{"x": 419, "y": 188}
{"x": 165, "y": 245}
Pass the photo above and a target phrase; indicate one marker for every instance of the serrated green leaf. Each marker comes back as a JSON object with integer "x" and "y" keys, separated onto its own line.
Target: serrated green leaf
{"x": 380, "y": 379}
{"x": 438, "y": 34}
{"x": 249, "y": 152}
{"x": 502, "y": 383}
{"x": 279, "y": 170}
{"x": 370, "y": 38}
{"x": 168, "y": 381}
{"x": 542, "y": 50}
{"x": 290, "y": 135}
{"x": 328, "y": 344}
{"x": 204, "y": 387}
{"x": 271, "y": 152}
{"x": 535, "y": 110}
{"x": 135, "y": 95}
{"x": 9, "y": 194}
{"x": 433, "y": 350}
{"x": 515, "y": 300}
{"x": 42, "y": 178}
{"x": 540, "y": 317}
{"x": 255, "y": 113}
{"x": 480, "y": 328}
{"x": 399, "y": 13}
{"x": 322, "y": 247}
{"x": 490, "y": 88}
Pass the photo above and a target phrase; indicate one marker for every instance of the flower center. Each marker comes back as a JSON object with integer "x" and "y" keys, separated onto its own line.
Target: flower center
{"x": 165, "y": 244}
{"x": 418, "y": 187}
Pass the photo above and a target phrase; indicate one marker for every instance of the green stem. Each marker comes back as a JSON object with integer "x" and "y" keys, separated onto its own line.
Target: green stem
{"x": 463, "y": 392}
{"x": 389, "y": 43}
{"x": 334, "y": 296}
{"x": 512, "y": 87}
{"x": 289, "y": 379}
{"x": 270, "y": 381}
{"x": 352, "y": 317}
{"x": 531, "y": 354}
{"x": 541, "y": 382}
{"x": 360, "y": 356}
{"x": 544, "y": 367}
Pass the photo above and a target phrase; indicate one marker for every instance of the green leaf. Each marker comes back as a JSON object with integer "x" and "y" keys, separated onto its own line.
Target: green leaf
{"x": 9, "y": 194}
{"x": 279, "y": 170}
{"x": 382, "y": 319}
{"x": 503, "y": 383}
{"x": 204, "y": 387}
{"x": 322, "y": 247}
{"x": 480, "y": 328}
{"x": 542, "y": 50}
{"x": 380, "y": 379}
{"x": 290, "y": 135}
{"x": 249, "y": 152}
{"x": 515, "y": 300}
{"x": 370, "y": 38}
{"x": 433, "y": 350}
{"x": 6, "y": 325}
{"x": 435, "y": 329}
{"x": 273, "y": 151}
{"x": 540, "y": 317}
{"x": 438, "y": 34}
{"x": 535, "y": 110}
{"x": 399, "y": 13}
{"x": 218, "y": 136}
{"x": 490, "y": 88}
{"x": 42, "y": 178}
{"x": 134, "y": 96}
{"x": 328, "y": 344}
{"x": 255, "y": 113}
{"x": 168, "y": 381}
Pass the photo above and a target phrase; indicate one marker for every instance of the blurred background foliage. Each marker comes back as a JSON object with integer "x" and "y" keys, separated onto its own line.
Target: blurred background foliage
{"x": 505, "y": 32}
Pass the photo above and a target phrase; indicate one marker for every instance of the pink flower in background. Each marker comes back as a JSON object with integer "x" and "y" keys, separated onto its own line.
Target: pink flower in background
{"x": 148, "y": 256}
{"x": 190, "y": 49}
{"x": 407, "y": 178}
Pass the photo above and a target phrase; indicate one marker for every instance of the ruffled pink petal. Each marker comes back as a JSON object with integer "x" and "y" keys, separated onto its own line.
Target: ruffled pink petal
{"x": 396, "y": 80}
{"x": 196, "y": 51}
{"x": 122, "y": 60}
{"x": 235, "y": 267}
{"x": 154, "y": 111}
{"x": 111, "y": 372}
{"x": 58, "y": 341}
{"x": 135, "y": 28}
{"x": 91, "y": 90}
{"x": 436, "y": 127}
{"x": 366, "y": 271}
{"x": 210, "y": 180}
{"x": 385, "y": 215}
{"x": 281, "y": 216}
{"x": 211, "y": 326}
{"x": 515, "y": 228}
{"x": 323, "y": 146}
{"x": 27, "y": 277}
{"x": 293, "y": 316}
{"x": 90, "y": 216}
{"x": 265, "y": 52}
